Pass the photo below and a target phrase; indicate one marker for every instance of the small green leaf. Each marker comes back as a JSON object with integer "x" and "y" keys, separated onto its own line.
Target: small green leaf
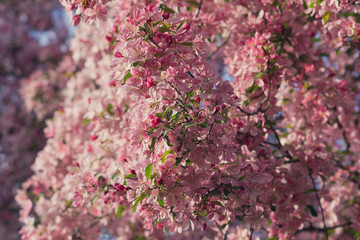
{"x": 326, "y": 17}
{"x": 188, "y": 106}
{"x": 130, "y": 176}
{"x": 187, "y": 44}
{"x": 161, "y": 203}
{"x": 148, "y": 171}
{"x": 166, "y": 9}
{"x": 203, "y": 125}
{"x": 312, "y": 5}
{"x": 109, "y": 107}
{"x": 120, "y": 210}
{"x": 181, "y": 24}
{"x": 94, "y": 198}
{"x": 309, "y": 191}
{"x": 163, "y": 157}
{"x": 252, "y": 89}
{"x": 135, "y": 64}
{"x": 127, "y": 76}
{"x": 312, "y": 210}
{"x": 115, "y": 174}
{"x": 86, "y": 121}
{"x": 192, "y": 2}
{"x": 189, "y": 124}
{"x": 152, "y": 146}
{"x": 218, "y": 203}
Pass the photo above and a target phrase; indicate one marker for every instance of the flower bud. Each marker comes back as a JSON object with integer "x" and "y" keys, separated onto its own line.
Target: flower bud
{"x": 118, "y": 54}
{"x": 165, "y": 15}
{"x": 76, "y": 20}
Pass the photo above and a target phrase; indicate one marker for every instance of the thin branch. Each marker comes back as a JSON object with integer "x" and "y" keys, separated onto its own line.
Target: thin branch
{"x": 219, "y": 47}
{"x": 321, "y": 208}
{"x": 200, "y": 4}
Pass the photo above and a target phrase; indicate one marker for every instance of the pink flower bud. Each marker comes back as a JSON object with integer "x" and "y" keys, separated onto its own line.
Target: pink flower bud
{"x": 217, "y": 108}
{"x": 132, "y": 171}
{"x": 118, "y": 54}
{"x": 165, "y": 15}
{"x": 160, "y": 181}
{"x": 113, "y": 83}
{"x": 160, "y": 225}
{"x": 93, "y": 137}
{"x": 186, "y": 26}
{"x": 150, "y": 82}
{"x": 76, "y": 20}
{"x": 72, "y": 6}
{"x": 197, "y": 99}
{"x": 108, "y": 38}
{"x": 150, "y": 7}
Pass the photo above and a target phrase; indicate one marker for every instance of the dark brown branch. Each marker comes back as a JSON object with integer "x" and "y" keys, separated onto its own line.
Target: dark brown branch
{"x": 321, "y": 208}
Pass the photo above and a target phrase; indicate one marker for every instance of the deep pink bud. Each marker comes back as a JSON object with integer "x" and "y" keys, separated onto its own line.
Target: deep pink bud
{"x": 118, "y": 54}
{"x": 107, "y": 200}
{"x": 127, "y": 188}
{"x": 186, "y": 26}
{"x": 149, "y": 21}
{"x": 160, "y": 181}
{"x": 202, "y": 207}
{"x": 217, "y": 108}
{"x": 72, "y": 7}
{"x": 204, "y": 226}
{"x": 113, "y": 83}
{"x": 150, "y": 82}
{"x": 212, "y": 204}
{"x": 108, "y": 38}
{"x": 197, "y": 99}
{"x": 119, "y": 187}
{"x": 132, "y": 171}
{"x": 160, "y": 225}
{"x": 150, "y": 7}
{"x": 76, "y": 20}
{"x": 93, "y": 137}
{"x": 165, "y": 15}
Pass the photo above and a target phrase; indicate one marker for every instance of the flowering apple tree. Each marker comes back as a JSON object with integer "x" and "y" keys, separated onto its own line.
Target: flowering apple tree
{"x": 207, "y": 119}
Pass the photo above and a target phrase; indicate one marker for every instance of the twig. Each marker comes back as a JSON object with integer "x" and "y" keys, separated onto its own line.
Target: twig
{"x": 219, "y": 47}
{"x": 200, "y": 4}
{"x": 321, "y": 208}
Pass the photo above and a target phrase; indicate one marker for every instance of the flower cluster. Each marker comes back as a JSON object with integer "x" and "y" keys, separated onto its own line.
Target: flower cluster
{"x": 203, "y": 119}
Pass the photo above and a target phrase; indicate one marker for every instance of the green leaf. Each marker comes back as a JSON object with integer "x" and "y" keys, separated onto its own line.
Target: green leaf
{"x": 189, "y": 124}
{"x": 188, "y": 106}
{"x": 203, "y": 125}
{"x": 152, "y": 146}
{"x": 252, "y": 89}
{"x": 181, "y": 24}
{"x": 127, "y": 76}
{"x": 166, "y": 9}
{"x": 309, "y": 191}
{"x": 148, "y": 171}
{"x": 312, "y": 210}
{"x": 273, "y": 238}
{"x": 165, "y": 24}
{"x": 120, "y": 210}
{"x": 161, "y": 203}
{"x": 192, "y": 2}
{"x": 86, "y": 121}
{"x": 273, "y": 208}
{"x": 135, "y": 64}
{"x": 139, "y": 199}
{"x": 94, "y": 198}
{"x": 115, "y": 174}
{"x": 187, "y": 44}
{"x": 130, "y": 176}
{"x": 109, "y": 107}
{"x": 312, "y": 5}
{"x": 218, "y": 203}
{"x": 163, "y": 157}
{"x": 326, "y": 17}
